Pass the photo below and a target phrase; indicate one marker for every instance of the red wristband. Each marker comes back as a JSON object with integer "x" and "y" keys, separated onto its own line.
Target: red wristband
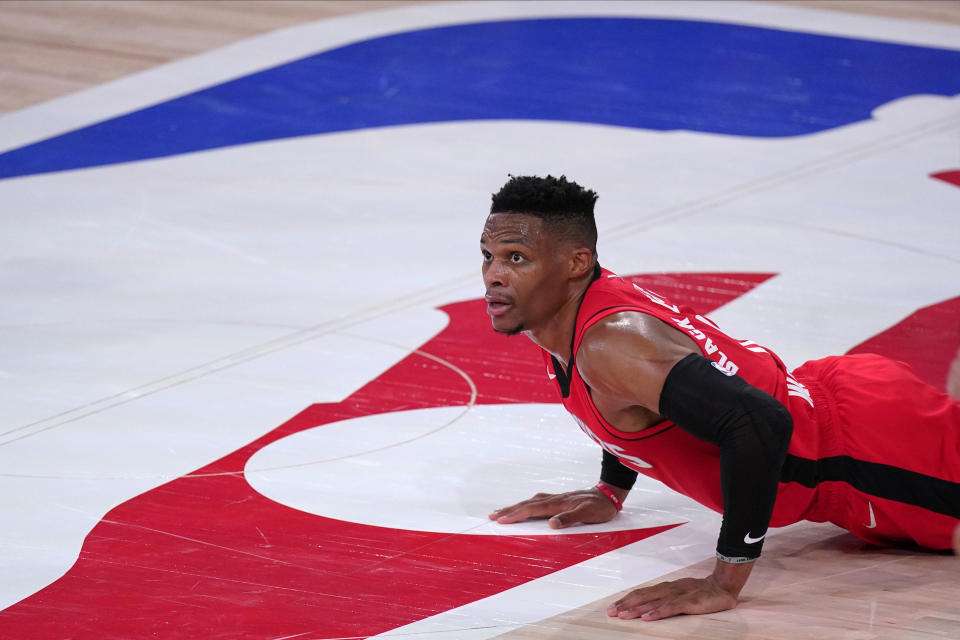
{"x": 614, "y": 498}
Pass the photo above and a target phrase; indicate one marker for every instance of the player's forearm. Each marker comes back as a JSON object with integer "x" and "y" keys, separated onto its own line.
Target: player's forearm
{"x": 616, "y": 479}
{"x": 614, "y": 473}
{"x": 752, "y": 429}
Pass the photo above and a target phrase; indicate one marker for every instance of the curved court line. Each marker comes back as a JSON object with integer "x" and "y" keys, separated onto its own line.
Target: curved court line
{"x": 616, "y": 234}
{"x": 242, "y": 356}
{"x": 470, "y": 403}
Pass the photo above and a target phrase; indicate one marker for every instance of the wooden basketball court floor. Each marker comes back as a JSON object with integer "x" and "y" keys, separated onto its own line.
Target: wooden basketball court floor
{"x": 248, "y": 389}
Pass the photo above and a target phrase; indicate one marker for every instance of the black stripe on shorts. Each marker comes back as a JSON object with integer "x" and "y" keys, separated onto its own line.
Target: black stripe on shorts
{"x": 880, "y": 480}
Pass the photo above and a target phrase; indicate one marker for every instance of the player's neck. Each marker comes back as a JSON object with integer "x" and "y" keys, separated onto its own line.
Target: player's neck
{"x": 556, "y": 335}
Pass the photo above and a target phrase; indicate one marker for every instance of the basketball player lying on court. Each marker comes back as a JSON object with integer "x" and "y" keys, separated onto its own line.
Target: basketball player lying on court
{"x": 858, "y": 440}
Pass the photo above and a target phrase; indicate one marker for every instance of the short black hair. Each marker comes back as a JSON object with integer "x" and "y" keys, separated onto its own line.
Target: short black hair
{"x": 563, "y": 205}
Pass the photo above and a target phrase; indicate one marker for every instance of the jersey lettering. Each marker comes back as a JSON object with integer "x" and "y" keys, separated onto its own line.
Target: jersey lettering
{"x": 654, "y": 298}
{"x": 612, "y": 448}
{"x": 709, "y": 347}
{"x": 687, "y": 325}
{"x": 797, "y": 390}
{"x": 722, "y": 362}
{"x": 726, "y": 364}
{"x": 750, "y": 345}
{"x": 707, "y": 321}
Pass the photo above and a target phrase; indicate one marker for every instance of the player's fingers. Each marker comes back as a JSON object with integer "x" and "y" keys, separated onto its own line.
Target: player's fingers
{"x": 581, "y": 513}
{"x": 496, "y": 513}
{"x": 544, "y": 505}
{"x": 659, "y": 610}
{"x": 687, "y": 595}
{"x": 502, "y": 511}
{"x": 635, "y": 603}
{"x": 516, "y": 515}
{"x": 644, "y": 611}
{"x": 526, "y": 510}
{"x": 672, "y": 604}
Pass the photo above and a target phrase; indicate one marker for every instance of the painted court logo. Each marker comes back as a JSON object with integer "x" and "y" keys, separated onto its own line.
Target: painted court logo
{"x": 277, "y": 571}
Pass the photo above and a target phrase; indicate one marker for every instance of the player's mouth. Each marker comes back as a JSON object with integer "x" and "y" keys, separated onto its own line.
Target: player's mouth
{"x": 497, "y": 305}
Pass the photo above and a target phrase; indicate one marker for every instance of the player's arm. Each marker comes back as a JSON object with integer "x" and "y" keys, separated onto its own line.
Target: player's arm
{"x": 615, "y": 474}
{"x": 588, "y": 506}
{"x": 639, "y": 360}
{"x": 583, "y": 506}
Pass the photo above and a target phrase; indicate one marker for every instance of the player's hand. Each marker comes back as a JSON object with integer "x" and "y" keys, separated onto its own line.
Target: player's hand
{"x": 587, "y": 506}
{"x": 687, "y": 595}
{"x": 717, "y": 592}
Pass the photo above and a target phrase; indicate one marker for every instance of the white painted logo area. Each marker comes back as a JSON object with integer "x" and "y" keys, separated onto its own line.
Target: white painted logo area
{"x": 444, "y": 469}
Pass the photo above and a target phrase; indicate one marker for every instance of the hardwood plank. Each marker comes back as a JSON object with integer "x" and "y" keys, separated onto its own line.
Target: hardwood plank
{"x": 813, "y": 582}
{"x": 55, "y": 47}
{"x": 943, "y": 11}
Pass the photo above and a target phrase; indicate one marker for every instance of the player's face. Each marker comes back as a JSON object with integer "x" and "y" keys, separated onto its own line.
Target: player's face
{"x": 523, "y": 270}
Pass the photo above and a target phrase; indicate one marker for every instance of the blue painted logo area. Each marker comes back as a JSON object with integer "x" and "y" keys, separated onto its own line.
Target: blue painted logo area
{"x": 631, "y": 72}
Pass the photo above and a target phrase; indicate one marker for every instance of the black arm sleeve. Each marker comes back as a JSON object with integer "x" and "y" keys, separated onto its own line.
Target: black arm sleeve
{"x": 614, "y": 473}
{"x": 752, "y": 429}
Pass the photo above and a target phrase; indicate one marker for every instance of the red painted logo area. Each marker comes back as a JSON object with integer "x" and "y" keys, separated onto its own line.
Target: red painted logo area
{"x": 951, "y": 176}
{"x": 206, "y": 556}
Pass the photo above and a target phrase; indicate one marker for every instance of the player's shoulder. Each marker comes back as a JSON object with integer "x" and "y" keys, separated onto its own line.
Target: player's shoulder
{"x": 606, "y": 294}
{"x": 610, "y": 291}
{"x": 617, "y": 319}
{"x": 624, "y": 356}
{"x": 626, "y": 335}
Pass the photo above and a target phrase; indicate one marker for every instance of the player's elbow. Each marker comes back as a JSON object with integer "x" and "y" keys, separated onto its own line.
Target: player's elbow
{"x": 766, "y": 421}
{"x": 725, "y": 410}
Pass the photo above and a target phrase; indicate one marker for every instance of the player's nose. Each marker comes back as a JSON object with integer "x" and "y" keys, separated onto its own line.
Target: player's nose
{"x": 494, "y": 275}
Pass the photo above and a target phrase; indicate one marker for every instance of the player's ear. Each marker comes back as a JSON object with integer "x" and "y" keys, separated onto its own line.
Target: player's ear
{"x": 581, "y": 263}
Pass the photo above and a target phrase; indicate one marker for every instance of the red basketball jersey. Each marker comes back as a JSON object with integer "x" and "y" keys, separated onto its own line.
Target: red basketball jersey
{"x": 665, "y": 451}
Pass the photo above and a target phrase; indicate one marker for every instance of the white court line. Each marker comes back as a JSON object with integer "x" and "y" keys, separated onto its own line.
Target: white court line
{"x": 439, "y": 293}
{"x": 178, "y": 78}
{"x": 617, "y": 234}
{"x": 834, "y": 160}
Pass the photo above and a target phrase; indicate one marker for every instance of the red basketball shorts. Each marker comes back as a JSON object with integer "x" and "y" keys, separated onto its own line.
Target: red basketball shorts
{"x": 884, "y": 453}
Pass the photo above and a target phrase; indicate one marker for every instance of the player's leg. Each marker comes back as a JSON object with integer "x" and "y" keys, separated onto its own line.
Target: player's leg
{"x": 898, "y": 445}
{"x": 887, "y": 522}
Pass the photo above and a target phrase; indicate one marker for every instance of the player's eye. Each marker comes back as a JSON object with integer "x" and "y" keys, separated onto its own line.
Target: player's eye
{"x": 516, "y": 257}
{"x": 487, "y": 256}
